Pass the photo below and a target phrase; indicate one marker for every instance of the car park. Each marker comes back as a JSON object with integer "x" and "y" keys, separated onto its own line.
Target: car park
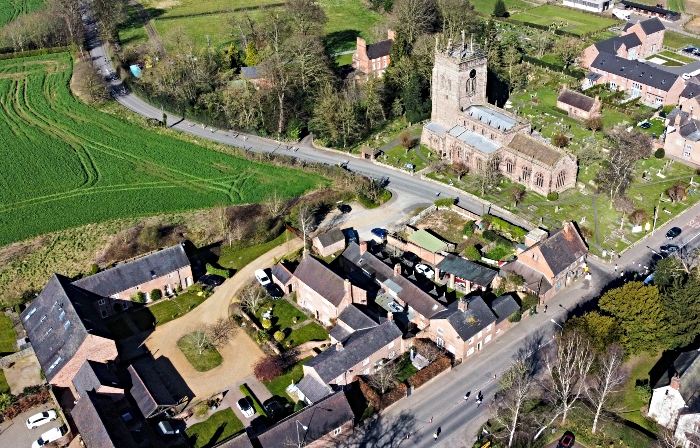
{"x": 262, "y": 277}
{"x": 674, "y": 232}
{"x": 211, "y": 280}
{"x": 41, "y": 418}
{"x": 379, "y": 233}
{"x": 669, "y": 248}
{"x": 568, "y": 440}
{"x": 274, "y": 291}
{"x": 49, "y": 436}
{"x": 245, "y": 407}
{"x": 424, "y": 270}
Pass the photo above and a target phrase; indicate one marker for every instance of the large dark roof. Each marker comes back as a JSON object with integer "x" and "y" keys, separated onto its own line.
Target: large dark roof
{"x": 281, "y": 273}
{"x": 691, "y": 90}
{"x": 331, "y": 237}
{"x": 563, "y": 248}
{"x": 360, "y": 345}
{"x": 58, "y": 321}
{"x": 535, "y": 280}
{"x": 467, "y": 270}
{"x": 653, "y": 25}
{"x": 615, "y": 43}
{"x": 356, "y": 319}
{"x": 503, "y": 307}
{"x": 147, "y": 388}
{"x": 577, "y": 100}
{"x": 687, "y": 365}
{"x": 127, "y": 275}
{"x": 649, "y": 8}
{"x": 379, "y": 49}
{"x": 320, "y": 418}
{"x": 321, "y": 279}
{"x": 690, "y": 130}
{"x": 635, "y": 70}
{"x": 468, "y": 323}
{"x": 100, "y": 424}
{"x": 92, "y": 375}
{"x": 313, "y": 389}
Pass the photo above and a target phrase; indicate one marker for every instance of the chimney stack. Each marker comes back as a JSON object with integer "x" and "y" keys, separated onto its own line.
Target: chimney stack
{"x": 390, "y": 35}
{"x": 339, "y": 346}
{"x": 389, "y": 315}
{"x": 564, "y": 87}
{"x": 363, "y": 247}
{"x": 463, "y": 305}
{"x": 397, "y": 269}
{"x": 676, "y": 382}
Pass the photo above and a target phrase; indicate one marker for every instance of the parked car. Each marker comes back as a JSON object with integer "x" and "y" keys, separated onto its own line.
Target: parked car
{"x": 211, "y": 280}
{"x": 410, "y": 259}
{"x": 41, "y": 418}
{"x": 669, "y": 248}
{"x": 274, "y": 291}
{"x": 674, "y": 232}
{"x": 262, "y": 277}
{"x": 380, "y": 233}
{"x": 344, "y": 208}
{"x": 424, "y": 270}
{"x": 246, "y": 408}
{"x": 645, "y": 125}
{"x": 49, "y": 436}
{"x": 353, "y": 237}
{"x": 568, "y": 440}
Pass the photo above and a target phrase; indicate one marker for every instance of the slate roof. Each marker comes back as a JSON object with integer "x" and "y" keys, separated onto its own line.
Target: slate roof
{"x": 281, "y": 273}
{"x": 474, "y": 140}
{"x": 654, "y": 25}
{"x": 379, "y": 49}
{"x": 612, "y": 45}
{"x": 360, "y": 345}
{"x": 318, "y": 277}
{"x": 250, "y": 72}
{"x": 147, "y": 388}
{"x": 535, "y": 150}
{"x": 127, "y": 275}
{"x": 493, "y": 118}
{"x": 320, "y": 418}
{"x": 356, "y": 319}
{"x": 468, "y": 323}
{"x": 331, "y": 237}
{"x": 635, "y": 70}
{"x": 339, "y": 333}
{"x": 436, "y": 128}
{"x": 99, "y": 423}
{"x": 593, "y": 76}
{"x": 650, "y": 9}
{"x": 562, "y": 249}
{"x": 313, "y": 389}
{"x": 687, "y": 365}
{"x": 467, "y": 270}
{"x": 504, "y": 306}
{"x": 534, "y": 280}
{"x": 92, "y": 375}
{"x": 577, "y": 100}
{"x": 236, "y": 441}
{"x": 690, "y": 130}
{"x": 58, "y": 321}
{"x": 427, "y": 241}
{"x": 691, "y": 90}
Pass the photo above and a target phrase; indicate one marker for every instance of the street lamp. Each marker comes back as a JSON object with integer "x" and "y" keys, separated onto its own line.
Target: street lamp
{"x": 305, "y": 428}
{"x": 557, "y": 324}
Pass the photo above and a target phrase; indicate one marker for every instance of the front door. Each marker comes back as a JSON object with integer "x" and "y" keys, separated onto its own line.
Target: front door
{"x": 478, "y": 345}
{"x": 440, "y": 342}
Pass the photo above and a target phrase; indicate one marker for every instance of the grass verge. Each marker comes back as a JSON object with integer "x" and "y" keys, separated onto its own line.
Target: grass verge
{"x": 221, "y": 425}
{"x": 207, "y": 360}
{"x": 4, "y": 387}
{"x": 256, "y": 403}
{"x": 166, "y": 310}
{"x": 677, "y": 41}
{"x": 238, "y": 259}
{"x": 8, "y": 335}
{"x": 294, "y": 373}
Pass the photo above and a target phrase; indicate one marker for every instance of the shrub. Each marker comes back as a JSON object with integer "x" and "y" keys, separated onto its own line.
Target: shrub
{"x": 6, "y": 400}
{"x": 515, "y": 317}
{"x": 659, "y": 153}
{"x": 139, "y": 297}
{"x": 560, "y": 140}
{"x": 643, "y": 391}
{"x": 499, "y": 9}
{"x": 369, "y": 410}
{"x": 468, "y": 229}
{"x": 444, "y": 202}
{"x": 472, "y": 253}
{"x": 552, "y": 196}
{"x": 299, "y": 405}
{"x": 156, "y": 294}
{"x": 528, "y": 302}
{"x": 393, "y": 395}
{"x": 370, "y": 395}
{"x": 225, "y": 273}
{"x": 490, "y": 235}
{"x": 94, "y": 269}
{"x": 262, "y": 336}
{"x": 268, "y": 368}
{"x": 279, "y": 336}
{"x": 266, "y": 324}
{"x": 501, "y": 225}
{"x": 423, "y": 376}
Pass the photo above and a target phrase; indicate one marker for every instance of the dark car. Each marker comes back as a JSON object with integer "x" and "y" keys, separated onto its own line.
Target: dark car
{"x": 274, "y": 291}
{"x": 380, "y": 233}
{"x": 211, "y": 280}
{"x": 353, "y": 237}
{"x": 645, "y": 125}
{"x": 568, "y": 440}
{"x": 669, "y": 248}
{"x": 344, "y": 208}
{"x": 410, "y": 259}
{"x": 275, "y": 410}
{"x": 674, "y": 232}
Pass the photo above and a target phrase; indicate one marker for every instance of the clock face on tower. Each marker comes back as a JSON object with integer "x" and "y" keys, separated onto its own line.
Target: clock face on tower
{"x": 472, "y": 74}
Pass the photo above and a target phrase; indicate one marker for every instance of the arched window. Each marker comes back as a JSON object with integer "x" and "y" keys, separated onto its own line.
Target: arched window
{"x": 527, "y": 172}
{"x": 467, "y": 159}
{"x": 561, "y": 179}
{"x": 479, "y": 165}
{"x": 539, "y": 180}
{"x": 509, "y": 166}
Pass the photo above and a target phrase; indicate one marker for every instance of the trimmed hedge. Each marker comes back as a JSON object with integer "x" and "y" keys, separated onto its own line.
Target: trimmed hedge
{"x": 529, "y": 301}
{"x": 256, "y": 404}
{"x": 444, "y": 202}
{"x": 574, "y": 73}
{"x": 501, "y": 225}
{"x": 225, "y": 273}
{"x": 377, "y": 401}
{"x": 515, "y": 317}
{"x": 423, "y": 376}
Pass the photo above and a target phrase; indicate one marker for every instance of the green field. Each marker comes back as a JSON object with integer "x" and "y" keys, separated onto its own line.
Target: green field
{"x": 66, "y": 164}
{"x": 10, "y": 9}
{"x": 579, "y": 23}
{"x": 486, "y": 6}
{"x": 8, "y": 336}
{"x": 677, "y": 40}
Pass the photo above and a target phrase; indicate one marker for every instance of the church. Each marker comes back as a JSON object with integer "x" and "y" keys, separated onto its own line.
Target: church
{"x": 464, "y": 127}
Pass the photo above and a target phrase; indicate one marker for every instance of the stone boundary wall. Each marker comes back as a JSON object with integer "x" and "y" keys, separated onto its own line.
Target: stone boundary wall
{"x": 16, "y": 356}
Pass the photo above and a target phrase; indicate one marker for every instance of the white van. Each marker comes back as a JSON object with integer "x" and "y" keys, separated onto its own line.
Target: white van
{"x": 262, "y": 277}
{"x": 47, "y": 437}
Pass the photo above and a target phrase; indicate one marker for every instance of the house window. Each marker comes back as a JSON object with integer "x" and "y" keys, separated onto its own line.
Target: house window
{"x": 339, "y": 379}
{"x": 365, "y": 362}
{"x": 488, "y": 328}
{"x": 29, "y": 314}
{"x": 365, "y": 372}
{"x": 392, "y": 354}
{"x": 688, "y": 146}
{"x": 470, "y": 351}
{"x": 337, "y": 431}
{"x": 104, "y": 314}
{"x": 471, "y": 340}
{"x": 478, "y": 164}
{"x": 539, "y": 180}
{"x": 440, "y": 343}
{"x": 55, "y": 363}
{"x": 439, "y": 330}
{"x": 686, "y": 154}
{"x": 391, "y": 344}
{"x": 170, "y": 275}
{"x": 488, "y": 338}
{"x": 48, "y": 331}
{"x": 43, "y": 318}
{"x": 679, "y": 142}
{"x": 115, "y": 296}
{"x": 527, "y": 172}
{"x": 62, "y": 315}
{"x": 613, "y": 86}
{"x": 138, "y": 287}
{"x": 451, "y": 348}
{"x": 479, "y": 334}
{"x": 374, "y": 67}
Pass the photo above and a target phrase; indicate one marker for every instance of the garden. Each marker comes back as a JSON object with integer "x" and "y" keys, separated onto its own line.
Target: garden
{"x": 219, "y": 426}
{"x": 199, "y": 352}
{"x": 565, "y": 19}
{"x": 285, "y": 324}
{"x": 8, "y": 335}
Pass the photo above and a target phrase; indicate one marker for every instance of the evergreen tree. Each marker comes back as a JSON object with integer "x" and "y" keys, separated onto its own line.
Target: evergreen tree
{"x": 413, "y": 100}
{"x": 234, "y": 57}
{"x": 499, "y": 10}
{"x": 681, "y": 305}
{"x": 251, "y": 55}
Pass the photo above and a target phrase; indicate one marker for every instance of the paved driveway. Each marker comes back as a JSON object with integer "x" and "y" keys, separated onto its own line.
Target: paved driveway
{"x": 15, "y": 433}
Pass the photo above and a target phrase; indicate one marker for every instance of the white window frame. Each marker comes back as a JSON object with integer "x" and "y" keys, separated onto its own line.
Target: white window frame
{"x": 339, "y": 379}
{"x": 440, "y": 331}
{"x": 471, "y": 340}
{"x": 391, "y": 344}
{"x": 337, "y": 430}
{"x": 392, "y": 354}
{"x": 479, "y": 334}
{"x": 488, "y": 328}
{"x": 470, "y": 351}
{"x": 686, "y": 154}
{"x": 365, "y": 372}
{"x": 365, "y": 362}
{"x": 487, "y": 339}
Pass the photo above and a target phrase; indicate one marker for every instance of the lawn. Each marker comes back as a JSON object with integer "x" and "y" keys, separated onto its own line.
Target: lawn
{"x": 343, "y": 59}
{"x": 679, "y": 41}
{"x": 4, "y": 387}
{"x": 639, "y": 367}
{"x": 207, "y": 360}
{"x": 283, "y": 314}
{"x": 309, "y": 332}
{"x": 221, "y": 425}
{"x": 398, "y": 156}
{"x": 166, "y": 310}
{"x": 119, "y": 329}
{"x": 132, "y": 31}
{"x": 406, "y": 368}
{"x": 676, "y": 56}
{"x": 278, "y": 385}
{"x": 238, "y": 259}
{"x": 8, "y": 336}
{"x": 486, "y": 6}
{"x": 668, "y": 62}
{"x": 574, "y": 22}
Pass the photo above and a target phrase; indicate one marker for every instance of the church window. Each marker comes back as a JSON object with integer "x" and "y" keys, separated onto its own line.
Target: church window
{"x": 527, "y": 172}
{"x": 539, "y": 180}
{"x": 509, "y": 166}
{"x": 478, "y": 164}
{"x": 561, "y": 179}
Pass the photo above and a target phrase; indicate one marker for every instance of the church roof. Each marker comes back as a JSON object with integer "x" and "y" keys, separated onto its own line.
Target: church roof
{"x": 493, "y": 118}
{"x": 475, "y": 140}
{"x": 532, "y": 149}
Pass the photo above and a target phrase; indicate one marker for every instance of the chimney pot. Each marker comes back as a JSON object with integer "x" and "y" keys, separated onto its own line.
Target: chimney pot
{"x": 397, "y": 269}
{"x": 363, "y": 247}
{"x": 391, "y": 35}
{"x": 463, "y": 305}
{"x": 390, "y": 315}
{"x": 339, "y": 346}
{"x": 676, "y": 382}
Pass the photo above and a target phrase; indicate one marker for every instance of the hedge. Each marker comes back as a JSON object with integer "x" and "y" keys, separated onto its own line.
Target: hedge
{"x": 29, "y": 53}
{"x": 370, "y": 395}
{"x": 256, "y": 404}
{"x": 515, "y": 232}
{"x": 225, "y": 273}
{"x": 377, "y": 401}
{"x": 472, "y": 253}
{"x": 515, "y": 317}
{"x": 444, "y": 202}
{"x": 423, "y": 376}
{"x": 574, "y": 73}
{"x": 528, "y": 302}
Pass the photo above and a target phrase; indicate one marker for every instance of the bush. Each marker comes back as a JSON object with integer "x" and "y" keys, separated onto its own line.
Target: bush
{"x": 643, "y": 391}
{"x": 515, "y": 317}
{"x": 393, "y": 395}
{"x": 156, "y": 295}
{"x": 279, "y": 336}
{"x": 139, "y": 297}
{"x": 369, "y": 410}
{"x": 262, "y": 336}
{"x": 225, "y": 273}
{"x": 444, "y": 202}
{"x": 501, "y": 225}
{"x": 499, "y": 9}
{"x": 299, "y": 405}
{"x": 529, "y": 301}
{"x": 659, "y": 153}
{"x": 268, "y": 368}
{"x": 560, "y": 140}
{"x": 423, "y": 376}
{"x": 552, "y": 196}
{"x": 94, "y": 269}
{"x": 370, "y": 395}
{"x": 266, "y": 324}
{"x": 490, "y": 235}
{"x": 472, "y": 253}
{"x": 468, "y": 229}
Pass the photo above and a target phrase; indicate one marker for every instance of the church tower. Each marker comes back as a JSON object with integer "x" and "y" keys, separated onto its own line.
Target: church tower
{"x": 459, "y": 80}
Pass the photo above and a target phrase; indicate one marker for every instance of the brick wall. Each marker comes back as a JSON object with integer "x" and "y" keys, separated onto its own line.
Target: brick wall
{"x": 94, "y": 348}
{"x": 323, "y": 309}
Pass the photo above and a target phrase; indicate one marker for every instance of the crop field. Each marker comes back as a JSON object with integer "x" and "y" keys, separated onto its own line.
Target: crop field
{"x": 575, "y": 22}
{"x": 66, "y": 164}
{"x": 10, "y": 9}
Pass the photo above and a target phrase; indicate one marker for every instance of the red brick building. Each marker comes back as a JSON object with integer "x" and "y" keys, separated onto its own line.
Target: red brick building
{"x": 578, "y": 105}
{"x": 373, "y": 59}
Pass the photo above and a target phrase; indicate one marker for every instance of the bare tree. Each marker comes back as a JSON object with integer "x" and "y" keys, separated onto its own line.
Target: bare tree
{"x": 306, "y": 17}
{"x": 667, "y": 439}
{"x": 608, "y": 380}
{"x": 220, "y": 332}
{"x": 459, "y": 169}
{"x": 487, "y": 174}
{"x": 252, "y": 299}
{"x": 516, "y": 387}
{"x": 275, "y": 203}
{"x": 676, "y": 192}
{"x": 201, "y": 340}
{"x": 567, "y": 370}
{"x": 306, "y": 222}
{"x": 384, "y": 378}
{"x": 516, "y": 194}
{"x": 618, "y": 169}
{"x": 428, "y": 349}
{"x": 411, "y": 18}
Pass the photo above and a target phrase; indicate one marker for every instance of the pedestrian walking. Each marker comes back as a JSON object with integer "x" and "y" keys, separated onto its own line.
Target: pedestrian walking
{"x": 545, "y": 308}
{"x": 615, "y": 267}
{"x": 435, "y": 436}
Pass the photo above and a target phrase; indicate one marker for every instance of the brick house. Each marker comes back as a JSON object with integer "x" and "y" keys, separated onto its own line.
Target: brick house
{"x": 97, "y": 377}
{"x": 66, "y": 329}
{"x": 350, "y": 320}
{"x": 373, "y": 59}
{"x": 322, "y": 291}
{"x": 322, "y": 424}
{"x": 149, "y": 389}
{"x": 638, "y": 41}
{"x": 675, "y": 391}
{"x": 100, "y": 423}
{"x": 282, "y": 276}
{"x": 578, "y": 105}
{"x": 683, "y": 132}
{"x": 329, "y": 242}
{"x": 166, "y": 270}
{"x": 553, "y": 263}
{"x": 362, "y": 353}
{"x": 503, "y": 307}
